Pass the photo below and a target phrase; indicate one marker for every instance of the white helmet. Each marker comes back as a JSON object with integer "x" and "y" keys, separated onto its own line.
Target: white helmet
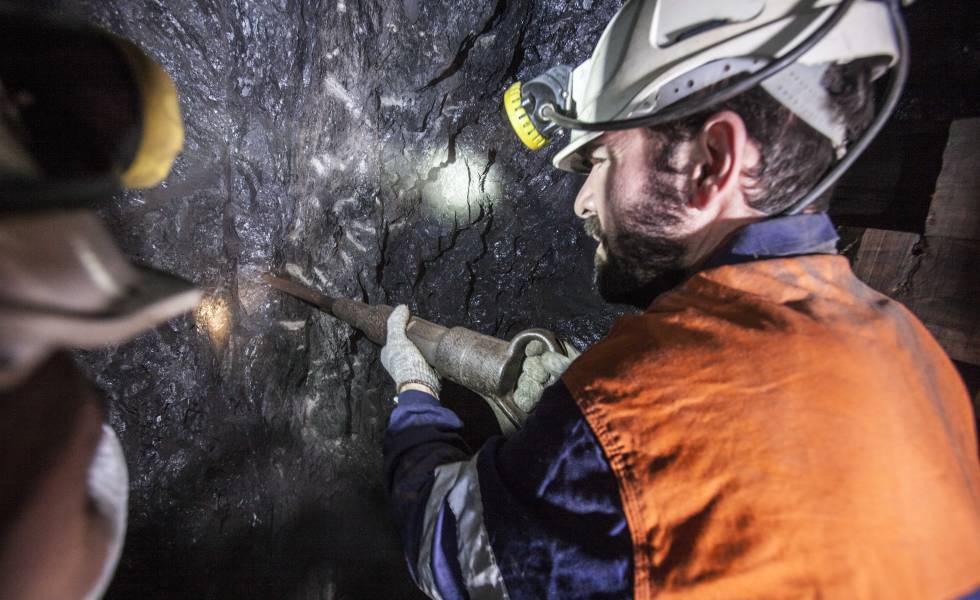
{"x": 655, "y": 53}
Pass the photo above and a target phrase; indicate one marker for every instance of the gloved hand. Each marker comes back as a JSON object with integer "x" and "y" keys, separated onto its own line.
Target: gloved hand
{"x": 541, "y": 369}
{"x": 402, "y": 359}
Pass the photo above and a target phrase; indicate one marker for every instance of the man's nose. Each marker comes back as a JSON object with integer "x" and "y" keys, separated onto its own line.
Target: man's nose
{"x": 585, "y": 201}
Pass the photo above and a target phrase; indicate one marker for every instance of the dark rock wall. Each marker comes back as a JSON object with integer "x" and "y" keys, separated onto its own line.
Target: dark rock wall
{"x": 357, "y": 146}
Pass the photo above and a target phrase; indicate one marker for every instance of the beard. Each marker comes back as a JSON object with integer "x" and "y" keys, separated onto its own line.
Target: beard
{"x": 643, "y": 258}
{"x": 637, "y": 269}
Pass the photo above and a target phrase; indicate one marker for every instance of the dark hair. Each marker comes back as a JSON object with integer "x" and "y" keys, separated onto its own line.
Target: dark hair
{"x": 793, "y": 154}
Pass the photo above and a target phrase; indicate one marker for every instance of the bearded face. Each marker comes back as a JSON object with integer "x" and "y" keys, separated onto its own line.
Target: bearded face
{"x": 662, "y": 201}
{"x": 635, "y": 266}
{"x": 640, "y": 251}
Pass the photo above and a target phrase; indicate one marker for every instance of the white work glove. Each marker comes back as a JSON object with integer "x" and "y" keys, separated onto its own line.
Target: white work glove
{"x": 402, "y": 359}
{"x": 541, "y": 369}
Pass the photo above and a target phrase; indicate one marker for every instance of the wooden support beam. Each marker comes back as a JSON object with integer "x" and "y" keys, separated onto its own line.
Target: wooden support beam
{"x": 955, "y": 208}
{"x": 936, "y": 278}
{"x": 887, "y": 259}
{"x": 937, "y": 275}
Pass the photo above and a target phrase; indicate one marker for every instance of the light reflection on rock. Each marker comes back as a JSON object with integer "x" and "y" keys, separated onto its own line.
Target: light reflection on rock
{"x": 213, "y": 315}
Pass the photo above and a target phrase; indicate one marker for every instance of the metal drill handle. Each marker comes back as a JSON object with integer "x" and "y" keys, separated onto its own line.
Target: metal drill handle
{"x": 486, "y": 365}
{"x": 511, "y": 373}
{"x": 515, "y": 355}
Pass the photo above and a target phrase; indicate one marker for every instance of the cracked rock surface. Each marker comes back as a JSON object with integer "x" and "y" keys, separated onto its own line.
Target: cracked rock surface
{"x": 356, "y": 146}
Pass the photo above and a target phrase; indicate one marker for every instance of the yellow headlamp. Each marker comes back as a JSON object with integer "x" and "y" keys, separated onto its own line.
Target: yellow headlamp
{"x": 523, "y": 100}
{"x": 520, "y": 121}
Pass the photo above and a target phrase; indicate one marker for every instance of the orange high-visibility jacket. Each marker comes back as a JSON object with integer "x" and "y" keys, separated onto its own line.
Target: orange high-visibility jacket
{"x": 780, "y": 430}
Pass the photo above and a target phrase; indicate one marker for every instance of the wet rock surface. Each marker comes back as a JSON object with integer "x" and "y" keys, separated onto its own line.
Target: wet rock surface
{"x": 355, "y": 146}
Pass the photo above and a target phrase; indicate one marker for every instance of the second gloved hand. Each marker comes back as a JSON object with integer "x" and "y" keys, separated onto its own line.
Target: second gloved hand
{"x": 541, "y": 369}
{"x": 402, "y": 359}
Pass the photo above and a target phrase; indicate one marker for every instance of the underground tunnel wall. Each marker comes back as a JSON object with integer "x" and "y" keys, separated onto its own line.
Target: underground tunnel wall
{"x": 357, "y": 147}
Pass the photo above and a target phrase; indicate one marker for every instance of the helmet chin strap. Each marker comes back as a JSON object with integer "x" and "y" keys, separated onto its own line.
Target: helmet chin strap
{"x": 897, "y": 83}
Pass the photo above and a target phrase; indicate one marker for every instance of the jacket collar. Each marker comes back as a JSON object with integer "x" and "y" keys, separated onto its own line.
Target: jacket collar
{"x": 779, "y": 236}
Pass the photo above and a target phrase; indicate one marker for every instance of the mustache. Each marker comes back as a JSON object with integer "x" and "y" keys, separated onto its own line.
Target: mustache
{"x": 592, "y": 227}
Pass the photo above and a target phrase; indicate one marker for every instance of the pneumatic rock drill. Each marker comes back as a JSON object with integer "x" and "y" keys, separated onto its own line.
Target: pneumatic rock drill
{"x": 484, "y": 364}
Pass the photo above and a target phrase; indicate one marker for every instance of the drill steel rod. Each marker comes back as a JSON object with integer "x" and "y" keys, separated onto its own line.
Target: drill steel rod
{"x": 486, "y": 365}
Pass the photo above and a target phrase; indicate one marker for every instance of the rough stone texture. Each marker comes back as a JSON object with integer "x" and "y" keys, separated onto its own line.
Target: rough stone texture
{"x": 355, "y": 145}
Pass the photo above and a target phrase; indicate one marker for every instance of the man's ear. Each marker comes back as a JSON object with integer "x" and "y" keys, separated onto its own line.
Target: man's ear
{"x": 721, "y": 146}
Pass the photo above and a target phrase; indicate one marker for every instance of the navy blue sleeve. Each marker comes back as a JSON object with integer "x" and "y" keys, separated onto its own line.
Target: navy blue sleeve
{"x": 548, "y": 503}
{"x": 421, "y": 435}
{"x": 552, "y": 507}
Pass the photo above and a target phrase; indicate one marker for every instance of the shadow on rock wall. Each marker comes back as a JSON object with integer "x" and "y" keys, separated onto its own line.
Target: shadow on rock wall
{"x": 356, "y": 146}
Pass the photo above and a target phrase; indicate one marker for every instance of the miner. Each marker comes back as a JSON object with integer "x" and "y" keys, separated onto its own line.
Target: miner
{"x": 768, "y": 425}
{"x": 83, "y": 114}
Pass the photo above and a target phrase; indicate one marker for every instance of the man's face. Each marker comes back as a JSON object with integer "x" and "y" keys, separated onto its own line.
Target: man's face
{"x": 633, "y": 203}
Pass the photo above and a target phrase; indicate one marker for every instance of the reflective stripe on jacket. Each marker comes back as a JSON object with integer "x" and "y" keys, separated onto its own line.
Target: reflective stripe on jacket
{"x": 780, "y": 430}
{"x": 536, "y": 515}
